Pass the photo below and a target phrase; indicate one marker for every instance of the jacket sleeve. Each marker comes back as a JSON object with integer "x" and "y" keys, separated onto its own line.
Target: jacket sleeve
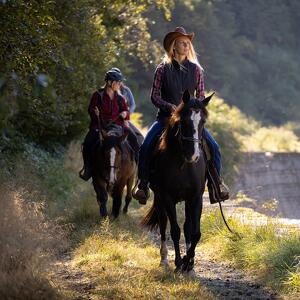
{"x": 125, "y": 108}
{"x": 156, "y": 90}
{"x": 200, "y": 83}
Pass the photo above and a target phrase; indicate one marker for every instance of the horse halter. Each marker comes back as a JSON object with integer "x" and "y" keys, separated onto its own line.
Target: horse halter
{"x": 187, "y": 138}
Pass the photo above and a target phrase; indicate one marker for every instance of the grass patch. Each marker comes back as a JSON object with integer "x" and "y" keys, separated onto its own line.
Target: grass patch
{"x": 270, "y": 256}
{"x": 118, "y": 255}
{"x": 124, "y": 263}
{"x": 27, "y": 243}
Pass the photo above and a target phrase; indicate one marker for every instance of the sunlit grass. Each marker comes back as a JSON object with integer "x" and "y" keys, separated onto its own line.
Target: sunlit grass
{"x": 271, "y": 256}
{"x": 125, "y": 265}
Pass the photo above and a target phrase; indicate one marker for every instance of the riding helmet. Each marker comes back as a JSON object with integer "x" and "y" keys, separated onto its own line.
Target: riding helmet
{"x": 113, "y": 75}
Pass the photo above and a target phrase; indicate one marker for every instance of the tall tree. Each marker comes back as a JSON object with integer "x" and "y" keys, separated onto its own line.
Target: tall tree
{"x": 54, "y": 53}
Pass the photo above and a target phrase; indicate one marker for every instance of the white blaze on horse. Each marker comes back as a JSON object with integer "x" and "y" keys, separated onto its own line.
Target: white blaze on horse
{"x": 114, "y": 168}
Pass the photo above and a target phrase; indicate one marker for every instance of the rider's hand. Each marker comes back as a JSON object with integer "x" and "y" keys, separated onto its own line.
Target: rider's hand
{"x": 172, "y": 107}
{"x": 123, "y": 115}
{"x": 96, "y": 110}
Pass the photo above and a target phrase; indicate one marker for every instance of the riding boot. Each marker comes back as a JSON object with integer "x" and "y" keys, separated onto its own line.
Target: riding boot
{"x": 217, "y": 189}
{"x": 86, "y": 172}
{"x": 141, "y": 191}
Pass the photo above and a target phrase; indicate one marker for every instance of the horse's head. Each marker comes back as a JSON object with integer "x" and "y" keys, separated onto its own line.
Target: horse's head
{"x": 190, "y": 118}
{"x": 112, "y": 156}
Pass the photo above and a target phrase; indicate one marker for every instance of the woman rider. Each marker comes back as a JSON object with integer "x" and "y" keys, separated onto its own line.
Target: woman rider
{"x": 179, "y": 71}
{"x": 107, "y": 106}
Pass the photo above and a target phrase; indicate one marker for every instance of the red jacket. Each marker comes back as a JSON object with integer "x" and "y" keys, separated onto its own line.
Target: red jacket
{"x": 109, "y": 109}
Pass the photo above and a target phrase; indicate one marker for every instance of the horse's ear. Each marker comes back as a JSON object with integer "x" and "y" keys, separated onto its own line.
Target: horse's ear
{"x": 186, "y": 96}
{"x": 207, "y": 99}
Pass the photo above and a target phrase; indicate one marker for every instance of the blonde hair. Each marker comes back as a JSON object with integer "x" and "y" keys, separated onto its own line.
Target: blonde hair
{"x": 192, "y": 55}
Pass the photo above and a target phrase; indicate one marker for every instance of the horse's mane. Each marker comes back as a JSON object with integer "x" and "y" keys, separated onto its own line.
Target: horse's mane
{"x": 173, "y": 124}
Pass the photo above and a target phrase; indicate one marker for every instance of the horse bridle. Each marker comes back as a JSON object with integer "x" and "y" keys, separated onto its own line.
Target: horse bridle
{"x": 187, "y": 138}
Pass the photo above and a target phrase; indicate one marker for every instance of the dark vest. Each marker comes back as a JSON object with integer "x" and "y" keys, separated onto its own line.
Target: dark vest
{"x": 175, "y": 80}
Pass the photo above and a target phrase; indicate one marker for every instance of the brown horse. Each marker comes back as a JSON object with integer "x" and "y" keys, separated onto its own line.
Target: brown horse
{"x": 114, "y": 168}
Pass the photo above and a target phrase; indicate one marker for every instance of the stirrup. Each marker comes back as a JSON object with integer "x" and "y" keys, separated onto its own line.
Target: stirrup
{"x": 224, "y": 191}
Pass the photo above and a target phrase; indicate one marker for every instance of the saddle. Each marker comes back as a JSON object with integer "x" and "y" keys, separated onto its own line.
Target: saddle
{"x": 114, "y": 129}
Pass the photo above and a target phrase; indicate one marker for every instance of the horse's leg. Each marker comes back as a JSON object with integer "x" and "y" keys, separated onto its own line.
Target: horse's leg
{"x": 175, "y": 229}
{"x": 162, "y": 217}
{"x": 101, "y": 197}
{"x": 117, "y": 198}
{"x": 128, "y": 194}
{"x": 187, "y": 226}
{"x": 195, "y": 210}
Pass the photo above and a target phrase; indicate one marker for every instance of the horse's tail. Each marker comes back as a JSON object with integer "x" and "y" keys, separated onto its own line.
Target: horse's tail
{"x": 150, "y": 220}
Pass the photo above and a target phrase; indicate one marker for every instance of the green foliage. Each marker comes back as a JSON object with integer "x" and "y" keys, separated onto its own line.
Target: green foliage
{"x": 249, "y": 51}
{"x": 55, "y": 53}
{"x": 274, "y": 139}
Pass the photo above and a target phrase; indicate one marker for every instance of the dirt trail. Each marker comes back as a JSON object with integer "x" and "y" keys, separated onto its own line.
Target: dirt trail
{"x": 220, "y": 279}
{"x": 72, "y": 281}
{"x": 225, "y": 282}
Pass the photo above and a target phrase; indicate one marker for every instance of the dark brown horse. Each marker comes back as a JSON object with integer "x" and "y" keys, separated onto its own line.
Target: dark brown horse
{"x": 179, "y": 174}
{"x": 114, "y": 168}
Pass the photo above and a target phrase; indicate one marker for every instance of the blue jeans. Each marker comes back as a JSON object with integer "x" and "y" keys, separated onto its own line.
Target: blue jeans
{"x": 148, "y": 147}
{"x": 214, "y": 150}
{"x": 151, "y": 140}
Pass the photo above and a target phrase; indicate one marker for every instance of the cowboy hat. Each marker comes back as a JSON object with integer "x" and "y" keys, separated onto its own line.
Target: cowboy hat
{"x": 173, "y": 35}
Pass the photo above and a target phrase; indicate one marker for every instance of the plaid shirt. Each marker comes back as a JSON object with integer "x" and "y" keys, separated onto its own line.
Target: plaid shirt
{"x": 156, "y": 88}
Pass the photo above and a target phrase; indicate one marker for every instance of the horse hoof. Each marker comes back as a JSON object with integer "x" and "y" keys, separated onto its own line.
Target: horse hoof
{"x": 103, "y": 216}
{"x": 113, "y": 217}
{"x": 125, "y": 211}
{"x": 164, "y": 263}
{"x": 191, "y": 273}
{"x": 178, "y": 263}
{"x": 178, "y": 270}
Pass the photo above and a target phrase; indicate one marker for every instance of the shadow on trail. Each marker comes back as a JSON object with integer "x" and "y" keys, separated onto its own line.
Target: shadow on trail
{"x": 235, "y": 289}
